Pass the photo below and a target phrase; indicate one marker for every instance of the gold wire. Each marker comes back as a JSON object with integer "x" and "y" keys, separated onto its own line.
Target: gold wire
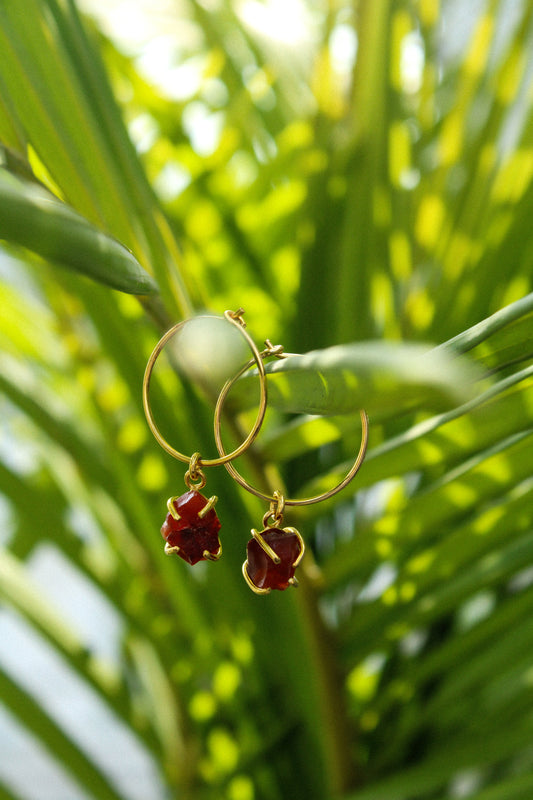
{"x": 275, "y": 512}
{"x": 195, "y": 473}
{"x": 211, "y": 503}
{"x": 235, "y": 318}
{"x": 274, "y": 498}
{"x": 250, "y": 582}
{"x": 274, "y": 556}
{"x": 171, "y": 510}
{"x": 212, "y": 556}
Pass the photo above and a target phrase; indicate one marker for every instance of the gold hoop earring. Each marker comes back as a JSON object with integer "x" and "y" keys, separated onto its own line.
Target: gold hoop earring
{"x": 191, "y": 526}
{"x": 274, "y": 552}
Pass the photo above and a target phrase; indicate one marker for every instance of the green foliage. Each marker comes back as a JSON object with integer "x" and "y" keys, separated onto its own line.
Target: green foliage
{"x": 369, "y": 204}
{"x": 34, "y": 219}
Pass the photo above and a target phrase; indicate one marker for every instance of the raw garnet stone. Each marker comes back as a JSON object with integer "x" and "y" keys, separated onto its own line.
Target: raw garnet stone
{"x": 190, "y": 533}
{"x": 262, "y": 571}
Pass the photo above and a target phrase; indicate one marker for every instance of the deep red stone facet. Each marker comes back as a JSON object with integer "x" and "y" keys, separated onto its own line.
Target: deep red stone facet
{"x": 262, "y": 571}
{"x": 190, "y": 533}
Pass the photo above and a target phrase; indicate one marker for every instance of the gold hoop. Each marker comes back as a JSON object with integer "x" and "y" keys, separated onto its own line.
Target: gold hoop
{"x": 274, "y": 498}
{"x": 236, "y": 319}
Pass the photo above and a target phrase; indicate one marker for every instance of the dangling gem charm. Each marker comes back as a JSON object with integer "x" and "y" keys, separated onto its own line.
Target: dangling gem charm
{"x": 191, "y": 526}
{"x": 273, "y": 554}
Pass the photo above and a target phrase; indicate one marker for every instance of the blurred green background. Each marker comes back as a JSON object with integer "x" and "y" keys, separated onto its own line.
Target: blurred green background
{"x": 358, "y": 176}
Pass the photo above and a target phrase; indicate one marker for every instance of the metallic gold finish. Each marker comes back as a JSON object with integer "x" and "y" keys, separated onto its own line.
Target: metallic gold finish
{"x": 274, "y": 516}
{"x": 273, "y": 556}
{"x": 171, "y": 510}
{"x": 250, "y": 583}
{"x": 274, "y": 498}
{"x": 236, "y": 319}
{"x": 208, "y": 506}
{"x": 170, "y": 550}
{"x": 213, "y": 556}
{"x": 194, "y": 472}
{"x": 302, "y": 546}
{"x": 272, "y": 350}
{"x": 189, "y": 482}
{"x": 236, "y": 316}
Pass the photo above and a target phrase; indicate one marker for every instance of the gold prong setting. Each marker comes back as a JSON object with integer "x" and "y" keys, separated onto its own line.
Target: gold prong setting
{"x": 211, "y": 503}
{"x": 267, "y": 568}
{"x": 191, "y": 528}
{"x": 171, "y": 508}
{"x": 265, "y": 547}
{"x": 213, "y": 556}
{"x": 251, "y": 584}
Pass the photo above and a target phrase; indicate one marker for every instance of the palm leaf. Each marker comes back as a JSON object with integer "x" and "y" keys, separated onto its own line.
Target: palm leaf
{"x": 34, "y": 219}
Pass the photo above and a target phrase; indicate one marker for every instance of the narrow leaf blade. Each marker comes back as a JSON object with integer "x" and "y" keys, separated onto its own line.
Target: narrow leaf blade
{"x": 33, "y": 218}
{"x": 385, "y": 379}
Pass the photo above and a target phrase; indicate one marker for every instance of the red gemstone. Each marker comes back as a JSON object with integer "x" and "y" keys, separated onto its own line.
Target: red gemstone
{"x": 193, "y": 534}
{"x": 262, "y": 570}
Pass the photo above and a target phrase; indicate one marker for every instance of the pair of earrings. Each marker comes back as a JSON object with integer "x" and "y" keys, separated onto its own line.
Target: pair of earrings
{"x": 191, "y": 526}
